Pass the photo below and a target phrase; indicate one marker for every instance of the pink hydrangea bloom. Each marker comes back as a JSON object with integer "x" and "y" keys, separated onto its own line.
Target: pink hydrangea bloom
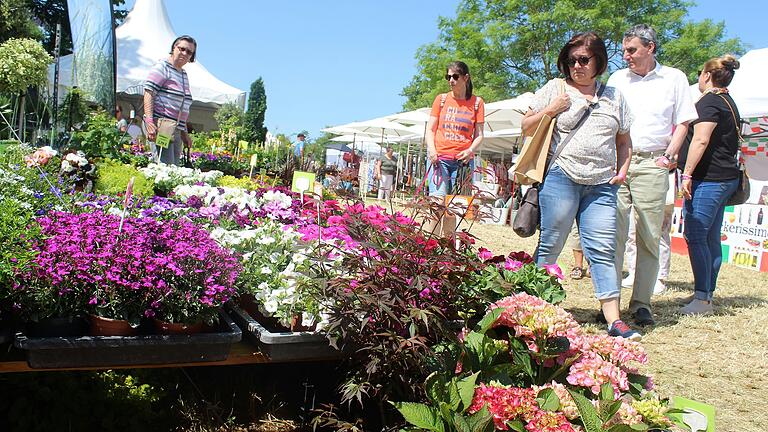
{"x": 549, "y": 421}
{"x": 505, "y": 403}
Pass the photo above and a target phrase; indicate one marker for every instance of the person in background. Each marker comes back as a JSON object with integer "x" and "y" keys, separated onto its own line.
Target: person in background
{"x": 582, "y": 182}
{"x": 578, "y": 271}
{"x": 167, "y": 96}
{"x": 454, "y": 132}
{"x": 298, "y": 146}
{"x": 660, "y": 100}
{"x": 665, "y": 245}
{"x": 710, "y": 176}
{"x": 385, "y": 171}
{"x": 122, "y": 124}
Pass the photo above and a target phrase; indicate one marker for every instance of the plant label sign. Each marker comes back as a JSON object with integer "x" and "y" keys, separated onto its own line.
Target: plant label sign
{"x": 162, "y": 141}
{"x": 302, "y": 181}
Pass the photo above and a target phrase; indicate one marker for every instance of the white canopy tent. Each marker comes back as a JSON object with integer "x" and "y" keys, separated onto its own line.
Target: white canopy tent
{"x": 748, "y": 88}
{"x": 143, "y": 39}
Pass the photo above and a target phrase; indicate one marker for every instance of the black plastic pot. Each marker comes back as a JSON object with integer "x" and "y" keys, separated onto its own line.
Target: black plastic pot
{"x": 87, "y": 351}
{"x": 283, "y": 346}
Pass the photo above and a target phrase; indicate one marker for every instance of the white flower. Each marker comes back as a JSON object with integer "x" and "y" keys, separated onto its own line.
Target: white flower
{"x": 266, "y": 270}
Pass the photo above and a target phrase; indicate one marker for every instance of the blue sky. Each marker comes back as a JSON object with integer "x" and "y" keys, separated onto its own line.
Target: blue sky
{"x": 333, "y": 62}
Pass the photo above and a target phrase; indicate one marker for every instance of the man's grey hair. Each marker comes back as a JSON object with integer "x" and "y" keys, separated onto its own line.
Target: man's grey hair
{"x": 645, "y": 33}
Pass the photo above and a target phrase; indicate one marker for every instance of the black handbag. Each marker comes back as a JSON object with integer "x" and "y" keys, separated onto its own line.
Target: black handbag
{"x": 528, "y": 216}
{"x": 741, "y": 195}
{"x": 526, "y": 220}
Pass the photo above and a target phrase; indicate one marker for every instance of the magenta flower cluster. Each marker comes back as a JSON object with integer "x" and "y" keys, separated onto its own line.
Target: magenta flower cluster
{"x": 148, "y": 268}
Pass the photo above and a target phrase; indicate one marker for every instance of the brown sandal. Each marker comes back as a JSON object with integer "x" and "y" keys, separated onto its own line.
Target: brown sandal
{"x": 577, "y": 273}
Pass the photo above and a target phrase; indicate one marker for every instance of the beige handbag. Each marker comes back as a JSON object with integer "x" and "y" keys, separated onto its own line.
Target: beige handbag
{"x": 531, "y": 164}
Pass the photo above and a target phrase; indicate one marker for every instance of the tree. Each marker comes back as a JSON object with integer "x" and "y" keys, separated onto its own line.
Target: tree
{"x": 254, "y": 117}
{"x": 23, "y": 63}
{"x": 695, "y": 44}
{"x": 16, "y": 21}
{"x": 511, "y": 46}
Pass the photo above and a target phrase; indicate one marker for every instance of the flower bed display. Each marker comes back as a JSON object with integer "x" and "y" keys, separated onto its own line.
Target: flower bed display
{"x": 528, "y": 366}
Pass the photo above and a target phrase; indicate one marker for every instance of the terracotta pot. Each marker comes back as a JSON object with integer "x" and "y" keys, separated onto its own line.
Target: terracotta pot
{"x": 167, "y": 328}
{"x": 101, "y": 326}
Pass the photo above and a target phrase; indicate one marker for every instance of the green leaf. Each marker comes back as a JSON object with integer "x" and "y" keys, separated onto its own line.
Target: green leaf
{"x": 435, "y": 387}
{"x": 606, "y": 392}
{"x": 420, "y": 415}
{"x": 481, "y": 421}
{"x": 609, "y": 409}
{"x": 454, "y": 399}
{"x": 460, "y": 423}
{"x": 488, "y": 320}
{"x": 589, "y": 417}
{"x": 521, "y": 355}
{"x": 548, "y": 400}
{"x": 466, "y": 388}
{"x": 628, "y": 428}
{"x": 516, "y": 425}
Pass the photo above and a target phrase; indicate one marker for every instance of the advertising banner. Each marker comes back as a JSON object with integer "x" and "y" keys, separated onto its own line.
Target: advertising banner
{"x": 93, "y": 44}
{"x": 744, "y": 235}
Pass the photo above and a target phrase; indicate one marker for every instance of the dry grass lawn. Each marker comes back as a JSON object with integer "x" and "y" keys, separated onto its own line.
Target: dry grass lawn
{"x": 720, "y": 360}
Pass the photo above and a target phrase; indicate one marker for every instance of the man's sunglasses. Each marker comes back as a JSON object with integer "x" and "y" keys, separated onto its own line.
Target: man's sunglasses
{"x": 583, "y": 60}
{"x": 455, "y": 76}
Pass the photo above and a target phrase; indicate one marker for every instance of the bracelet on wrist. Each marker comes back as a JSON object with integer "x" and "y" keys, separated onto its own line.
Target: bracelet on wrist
{"x": 686, "y": 177}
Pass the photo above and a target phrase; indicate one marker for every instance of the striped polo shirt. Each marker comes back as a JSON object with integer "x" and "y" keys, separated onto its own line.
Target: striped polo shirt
{"x": 170, "y": 87}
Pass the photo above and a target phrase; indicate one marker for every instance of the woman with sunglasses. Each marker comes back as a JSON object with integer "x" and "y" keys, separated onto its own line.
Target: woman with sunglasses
{"x": 710, "y": 176}
{"x": 167, "y": 97}
{"x": 454, "y": 132}
{"x": 585, "y": 175}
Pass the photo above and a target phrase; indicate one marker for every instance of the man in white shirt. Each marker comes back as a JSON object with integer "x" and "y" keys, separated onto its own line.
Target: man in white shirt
{"x": 661, "y": 103}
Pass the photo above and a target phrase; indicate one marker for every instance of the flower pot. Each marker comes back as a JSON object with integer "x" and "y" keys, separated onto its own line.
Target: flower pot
{"x": 58, "y": 327}
{"x": 101, "y": 326}
{"x": 167, "y": 328}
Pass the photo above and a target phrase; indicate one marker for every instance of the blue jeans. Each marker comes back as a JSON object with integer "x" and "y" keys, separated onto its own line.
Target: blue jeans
{"x": 442, "y": 176}
{"x": 703, "y": 215}
{"x": 593, "y": 207}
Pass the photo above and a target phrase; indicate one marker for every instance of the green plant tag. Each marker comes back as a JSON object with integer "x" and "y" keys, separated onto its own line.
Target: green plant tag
{"x": 697, "y": 416}
{"x": 162, "y": 141}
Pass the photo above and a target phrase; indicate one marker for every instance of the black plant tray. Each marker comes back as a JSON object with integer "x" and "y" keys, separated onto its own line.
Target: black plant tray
{"x": 283, "y": 346}
{"x": 86, "y": 351}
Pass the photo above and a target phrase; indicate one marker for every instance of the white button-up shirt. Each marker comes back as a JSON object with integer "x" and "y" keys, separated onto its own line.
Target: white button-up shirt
{"x": 659, "y": 100}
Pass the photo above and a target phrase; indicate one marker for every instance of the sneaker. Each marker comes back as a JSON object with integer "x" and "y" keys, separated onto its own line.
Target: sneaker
{"x": 643, "y": 317}
{"x": 619, "y": 329}
{"x": 697, "y": 307}
{"x": 660, "y": 287}
{"x": 628, "y": 281}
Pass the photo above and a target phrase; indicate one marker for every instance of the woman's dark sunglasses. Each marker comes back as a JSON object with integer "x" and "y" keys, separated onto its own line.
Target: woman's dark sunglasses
{"x": 455, "y": 76}
{"x": 583, "y": 60}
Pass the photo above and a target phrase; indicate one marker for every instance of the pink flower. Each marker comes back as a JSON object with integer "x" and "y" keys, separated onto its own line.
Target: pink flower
{"x": 554, "y": 270}
{"x": 548, "y": 421}
{"x": 512, "y": 265}
{"x": 484, "y": 254}
{"x": 505, "y": 403}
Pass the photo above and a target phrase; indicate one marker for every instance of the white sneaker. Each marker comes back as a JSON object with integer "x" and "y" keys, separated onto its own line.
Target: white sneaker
{"x": 660, "y": 287}
{"x": 628, "y": 281}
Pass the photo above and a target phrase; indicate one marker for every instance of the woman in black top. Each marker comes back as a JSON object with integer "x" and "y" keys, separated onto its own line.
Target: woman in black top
{"x": 710, "y": 177}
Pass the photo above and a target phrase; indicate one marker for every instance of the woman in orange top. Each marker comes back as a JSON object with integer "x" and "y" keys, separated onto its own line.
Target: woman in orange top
{"x": 454, "y": 130}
